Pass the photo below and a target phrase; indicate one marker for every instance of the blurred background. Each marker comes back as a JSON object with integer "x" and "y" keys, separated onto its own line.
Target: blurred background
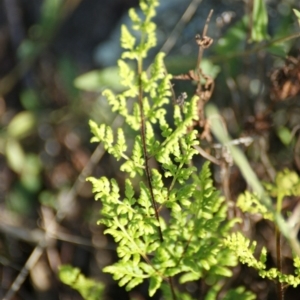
{"x": 55, "y": 59}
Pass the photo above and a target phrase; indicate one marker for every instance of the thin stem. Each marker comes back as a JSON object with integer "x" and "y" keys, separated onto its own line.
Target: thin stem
{"x": 225, "y": 178}
{"x": 147, "y": 168}
{"x": 200, "y": 53}
{"x": 206, "y": 155}
{"x": 143, "y": 137}
{"x": 199, "y": 71}
{"x": 35, "y": 255}
{"x": 172, "y": 288}
{"x": 280, "y": 289}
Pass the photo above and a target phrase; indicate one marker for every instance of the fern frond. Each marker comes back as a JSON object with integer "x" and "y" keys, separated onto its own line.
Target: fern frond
{"x": 250, "y": 203}
{"x": 127, "y": 39}
{"x": 88, "y": 288}
{"x": 244, "y": 249}
{"x": 287, "y": 183}
{"x": 184, "y": 236}
{"x": 135, "y": 164}
{"x": 192, "y": 238}
{"x": 128, "y": 274}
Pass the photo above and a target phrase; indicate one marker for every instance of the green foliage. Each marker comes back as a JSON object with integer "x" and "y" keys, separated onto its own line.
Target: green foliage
{"x": 88, "y": 288}
{"x": 297, "y": 13}
{"x": 231, "y": 45}
{"x": 238, "y": 293}
{"x": 245, "y": 249}
{"x": 234, "y": 39}
{"x": 167, "y": 294}
{"x": 97, "y": 79}
{"x": 260, "y": 21}
{"x": 241, "y": 161}
{"x": 188, "y": 240}
{"x": 249, "y": 202}
{"x": 20, "y": 127}
{"x": 175, "y": 227}
{"x": 285, "y": 135}
{"x": 27, "y": 165}
{"x": 287, "y": 183}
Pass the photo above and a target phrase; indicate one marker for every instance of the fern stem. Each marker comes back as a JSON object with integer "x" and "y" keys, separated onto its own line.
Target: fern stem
{"x": 201, "y": 50}
{"x": 225, "y": 170}
{"x": 280, "y": 289}
{"x": 143, "y": 137}
{"x": 172, "y": 288}
{"x": 147, "y": 168}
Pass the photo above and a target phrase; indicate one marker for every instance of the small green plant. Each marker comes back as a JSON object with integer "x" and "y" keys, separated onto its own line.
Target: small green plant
{"x": 163, "y": 230}
{"x": 88, "y": 288}
{"x": 287, "y": 183}
{"x": 169, "y": 222}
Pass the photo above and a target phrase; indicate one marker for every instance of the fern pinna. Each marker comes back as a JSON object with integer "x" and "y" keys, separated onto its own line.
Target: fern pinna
{"x": 161, "y": 229}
